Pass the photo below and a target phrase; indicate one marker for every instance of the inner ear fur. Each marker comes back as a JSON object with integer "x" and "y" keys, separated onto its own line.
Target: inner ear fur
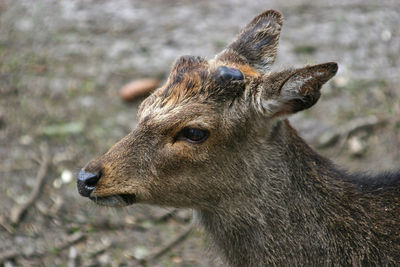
{"x": 291, "y": 91}
{"x": 257, "y": 43}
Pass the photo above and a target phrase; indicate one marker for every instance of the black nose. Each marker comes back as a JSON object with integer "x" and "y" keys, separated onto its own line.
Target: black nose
{"x": 87, "y": 182}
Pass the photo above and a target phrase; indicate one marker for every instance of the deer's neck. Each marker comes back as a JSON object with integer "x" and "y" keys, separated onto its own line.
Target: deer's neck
{"x": 281, "y": 206}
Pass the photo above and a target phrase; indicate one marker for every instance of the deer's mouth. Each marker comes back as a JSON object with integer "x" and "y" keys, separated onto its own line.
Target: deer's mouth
{"x": 115, "y": 200}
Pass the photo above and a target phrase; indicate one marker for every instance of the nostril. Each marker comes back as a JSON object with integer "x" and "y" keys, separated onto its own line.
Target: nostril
{"x": 87, "y": 182}
{"x": 92, "y": 181}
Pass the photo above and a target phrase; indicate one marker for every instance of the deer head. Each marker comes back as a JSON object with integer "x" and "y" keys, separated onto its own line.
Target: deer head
{"x": 196, "y": 135}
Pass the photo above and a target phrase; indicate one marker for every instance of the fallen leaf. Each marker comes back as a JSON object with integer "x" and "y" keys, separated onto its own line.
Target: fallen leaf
{"x": 138, "y": 88}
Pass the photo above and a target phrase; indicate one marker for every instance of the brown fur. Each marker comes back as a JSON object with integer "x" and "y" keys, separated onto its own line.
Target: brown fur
{"x": 264, "y": 196}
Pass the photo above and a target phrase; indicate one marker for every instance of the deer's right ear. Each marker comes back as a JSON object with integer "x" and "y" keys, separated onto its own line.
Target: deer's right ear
{"x": 290, "y": 91}
{"x": 257, "y": 44}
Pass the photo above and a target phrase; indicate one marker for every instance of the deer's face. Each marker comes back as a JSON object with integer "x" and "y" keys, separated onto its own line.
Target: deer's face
{"x": 171, "y": 156}
{"x": 186, "y": 148}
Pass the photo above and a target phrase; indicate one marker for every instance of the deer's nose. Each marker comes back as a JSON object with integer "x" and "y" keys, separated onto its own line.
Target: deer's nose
{"x": 87, "y": 181}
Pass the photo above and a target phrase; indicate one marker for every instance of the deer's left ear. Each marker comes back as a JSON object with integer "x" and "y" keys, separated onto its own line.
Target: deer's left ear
{"x": 257, "y": 43}
{"x": 288, "y": 92}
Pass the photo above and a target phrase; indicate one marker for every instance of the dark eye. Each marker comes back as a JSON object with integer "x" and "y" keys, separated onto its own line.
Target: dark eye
{"x": 193, "y": 135}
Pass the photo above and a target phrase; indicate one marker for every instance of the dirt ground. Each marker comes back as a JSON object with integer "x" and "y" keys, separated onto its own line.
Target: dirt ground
{"x": 62, "y": 63}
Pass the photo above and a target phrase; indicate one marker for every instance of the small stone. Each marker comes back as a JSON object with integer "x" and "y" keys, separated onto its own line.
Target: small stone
{"x": 20, "y": 239}
{"x": 21, "y": 199}
{"x": 26, "y": 140}
{"x": 57, "y": 183}
{"x": 136, "y": 89}
{"x": 24, "y": 25}
{"x": 104, "y": 259}
{"x": 340, "y": 81}
{"x": 147, "y": 224}
{"x": 105, "y": 241}
{"x": 386, "y": 35}
{"x": 42, "y": 207}
{"x": 66, "y": 176}
{"x": 140, "y": 252}
{"x": 130, "y": 220}
{"x": 87, "y": 101}
{"x": 356, "y": 146}
{"x": 73, "y": 253}
{"x": 328, "y": 139}
{"x": 60, "y": 157}
{"x": 176, "y": 259}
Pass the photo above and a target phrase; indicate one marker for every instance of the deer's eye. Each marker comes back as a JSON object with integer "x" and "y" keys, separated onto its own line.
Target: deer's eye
{"x": 193, "y": 135}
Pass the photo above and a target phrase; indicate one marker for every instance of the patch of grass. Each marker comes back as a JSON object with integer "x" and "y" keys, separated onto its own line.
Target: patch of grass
{"x": 2, "y": 49}
{"x": 305, "y": 49}
{"x": 397, "y": 125}
{"x": 85, "y": 87}
{"x": 71, "y": 128}
{"x": 55, "y": 250}
{"x": 88, "y": 87}
{"x": 75, "y": 229}
{"x": 220, "y": 44}
{"x": 11, "y": 65}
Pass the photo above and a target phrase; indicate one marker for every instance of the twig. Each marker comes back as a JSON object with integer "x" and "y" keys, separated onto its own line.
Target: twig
{"x": 109, "y": 226}
{"x": 66, "y": 243}
{"x": 345, "y": 131}
{"x": 6, "y": 225}
{"x": 18, "y": 212}
{"x": 168, "y": 246}
{"x": 101, "y": 250}
{"x": 70, "y": 240}
{"x": 173, "y": 215}
{"x": 165, "y": 217}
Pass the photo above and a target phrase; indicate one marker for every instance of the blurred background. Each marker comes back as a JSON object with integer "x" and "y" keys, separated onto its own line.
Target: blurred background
{"x": 63, "y": 62}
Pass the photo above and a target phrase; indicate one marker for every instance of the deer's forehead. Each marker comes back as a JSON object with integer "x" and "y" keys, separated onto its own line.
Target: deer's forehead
{"x": 164, "y": 116}
{"x": 195, "y": 79}
{"x": 193, "y": 85}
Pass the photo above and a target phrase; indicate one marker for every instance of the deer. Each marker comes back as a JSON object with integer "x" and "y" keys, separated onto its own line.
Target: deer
{"x": 216, "y": 138}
